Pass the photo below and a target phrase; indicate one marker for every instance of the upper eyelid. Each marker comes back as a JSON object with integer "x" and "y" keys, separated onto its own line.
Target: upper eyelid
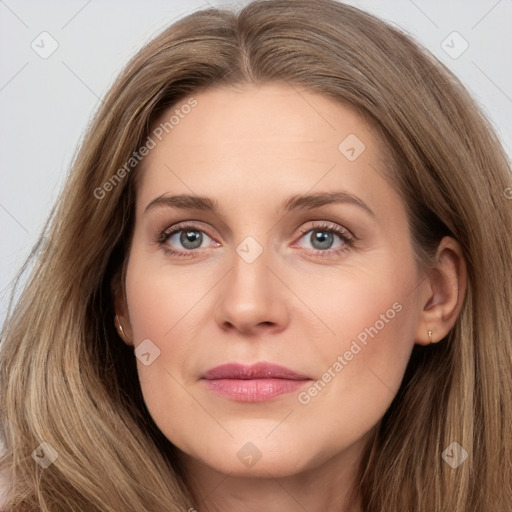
{"x": 328, "y": 227}
{"x": 183, "y": 225}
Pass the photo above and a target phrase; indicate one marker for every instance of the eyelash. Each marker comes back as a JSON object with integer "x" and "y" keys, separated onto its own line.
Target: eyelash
{"x": 348, "y": 239}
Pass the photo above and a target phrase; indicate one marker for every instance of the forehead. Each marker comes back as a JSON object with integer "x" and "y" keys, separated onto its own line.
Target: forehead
{"x": 259, "y": 113}
{"x": 251, "y": 142}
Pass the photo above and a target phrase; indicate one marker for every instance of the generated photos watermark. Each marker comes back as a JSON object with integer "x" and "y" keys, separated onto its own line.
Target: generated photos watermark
{"x": 151, "y": 142}
{"x": 356, "y": 346}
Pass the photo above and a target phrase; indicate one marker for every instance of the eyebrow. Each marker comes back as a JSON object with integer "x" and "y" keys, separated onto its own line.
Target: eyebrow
{"x": 295, "y": 202}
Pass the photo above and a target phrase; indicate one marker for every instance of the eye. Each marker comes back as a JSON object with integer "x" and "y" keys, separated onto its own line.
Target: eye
{"x": 189, "y": 238}
{"x": 182, "y": 239}
{"x": 324, "y": 240}
{"x": 327, "y": 239}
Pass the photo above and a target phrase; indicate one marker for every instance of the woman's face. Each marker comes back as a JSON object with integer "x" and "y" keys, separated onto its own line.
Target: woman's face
{"x": 267, "y": 240}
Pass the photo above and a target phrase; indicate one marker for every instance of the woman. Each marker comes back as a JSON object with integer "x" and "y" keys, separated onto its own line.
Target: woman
{"x": 296, "y": 220}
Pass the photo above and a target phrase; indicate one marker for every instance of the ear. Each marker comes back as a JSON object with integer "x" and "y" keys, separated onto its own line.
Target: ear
{"x": 122, "y": 317}
{"x": 443, "y": 293}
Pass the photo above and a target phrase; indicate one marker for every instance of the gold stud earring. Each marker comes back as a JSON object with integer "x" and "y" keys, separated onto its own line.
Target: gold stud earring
{"x": 430, "y": 336}
{"x": 120, "y": 328}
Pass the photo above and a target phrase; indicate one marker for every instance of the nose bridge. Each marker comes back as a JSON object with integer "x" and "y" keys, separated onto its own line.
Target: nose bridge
{"x": 250, "y": 275}
{"x": 251, "y": 296}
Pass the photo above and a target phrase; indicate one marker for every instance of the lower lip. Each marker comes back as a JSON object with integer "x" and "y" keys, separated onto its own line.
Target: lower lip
{"x": 254, "y": 390}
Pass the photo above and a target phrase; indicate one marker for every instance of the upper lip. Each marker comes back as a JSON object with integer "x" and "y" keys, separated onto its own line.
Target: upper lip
{"x": 261, "y": 370}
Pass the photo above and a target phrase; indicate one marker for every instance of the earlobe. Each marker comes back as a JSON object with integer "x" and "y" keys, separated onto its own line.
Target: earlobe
{"x": 121, "y": 318}
{"x": 444, "y": 293}
{"x": 120, "y": 330}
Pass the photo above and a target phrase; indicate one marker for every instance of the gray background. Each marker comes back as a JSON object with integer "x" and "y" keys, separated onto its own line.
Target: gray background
{"x": 46, "y": 103}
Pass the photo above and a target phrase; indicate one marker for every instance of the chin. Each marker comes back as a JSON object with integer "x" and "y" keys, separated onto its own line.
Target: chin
{"x": 259, "y": 458}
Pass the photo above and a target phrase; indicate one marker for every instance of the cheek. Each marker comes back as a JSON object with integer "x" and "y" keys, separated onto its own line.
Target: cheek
{"x": 357, "y": 386}
{"x": 166, "y": 306}
{"x": 162, "y": 299}
{"x": 363, "y": 363}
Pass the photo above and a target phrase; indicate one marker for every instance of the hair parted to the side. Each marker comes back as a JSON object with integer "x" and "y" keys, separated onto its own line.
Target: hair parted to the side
{"x": 67, "y": 379}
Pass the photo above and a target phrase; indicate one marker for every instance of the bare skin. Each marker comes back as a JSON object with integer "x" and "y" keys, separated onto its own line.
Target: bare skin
{"x": 301, "y": 303}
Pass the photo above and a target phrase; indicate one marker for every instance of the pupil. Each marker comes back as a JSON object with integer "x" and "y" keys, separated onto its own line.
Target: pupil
{"x": 324, "y": 238}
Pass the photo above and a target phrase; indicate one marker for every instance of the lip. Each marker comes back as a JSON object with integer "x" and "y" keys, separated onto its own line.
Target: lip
{"x": 253, "y": 383}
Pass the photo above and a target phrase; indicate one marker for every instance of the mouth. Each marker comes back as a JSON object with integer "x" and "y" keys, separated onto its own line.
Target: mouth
{"x": 253, "y": 383}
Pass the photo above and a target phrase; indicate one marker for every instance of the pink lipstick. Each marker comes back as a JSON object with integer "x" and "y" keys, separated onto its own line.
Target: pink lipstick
{"x": 253, "y": 383}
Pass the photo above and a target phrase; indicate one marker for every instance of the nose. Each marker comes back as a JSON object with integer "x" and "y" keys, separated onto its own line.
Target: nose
{"x": 253, "y": 298}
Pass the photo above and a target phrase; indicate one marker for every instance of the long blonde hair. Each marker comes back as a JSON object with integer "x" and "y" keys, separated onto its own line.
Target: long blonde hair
{"x": 67, "y": 379}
